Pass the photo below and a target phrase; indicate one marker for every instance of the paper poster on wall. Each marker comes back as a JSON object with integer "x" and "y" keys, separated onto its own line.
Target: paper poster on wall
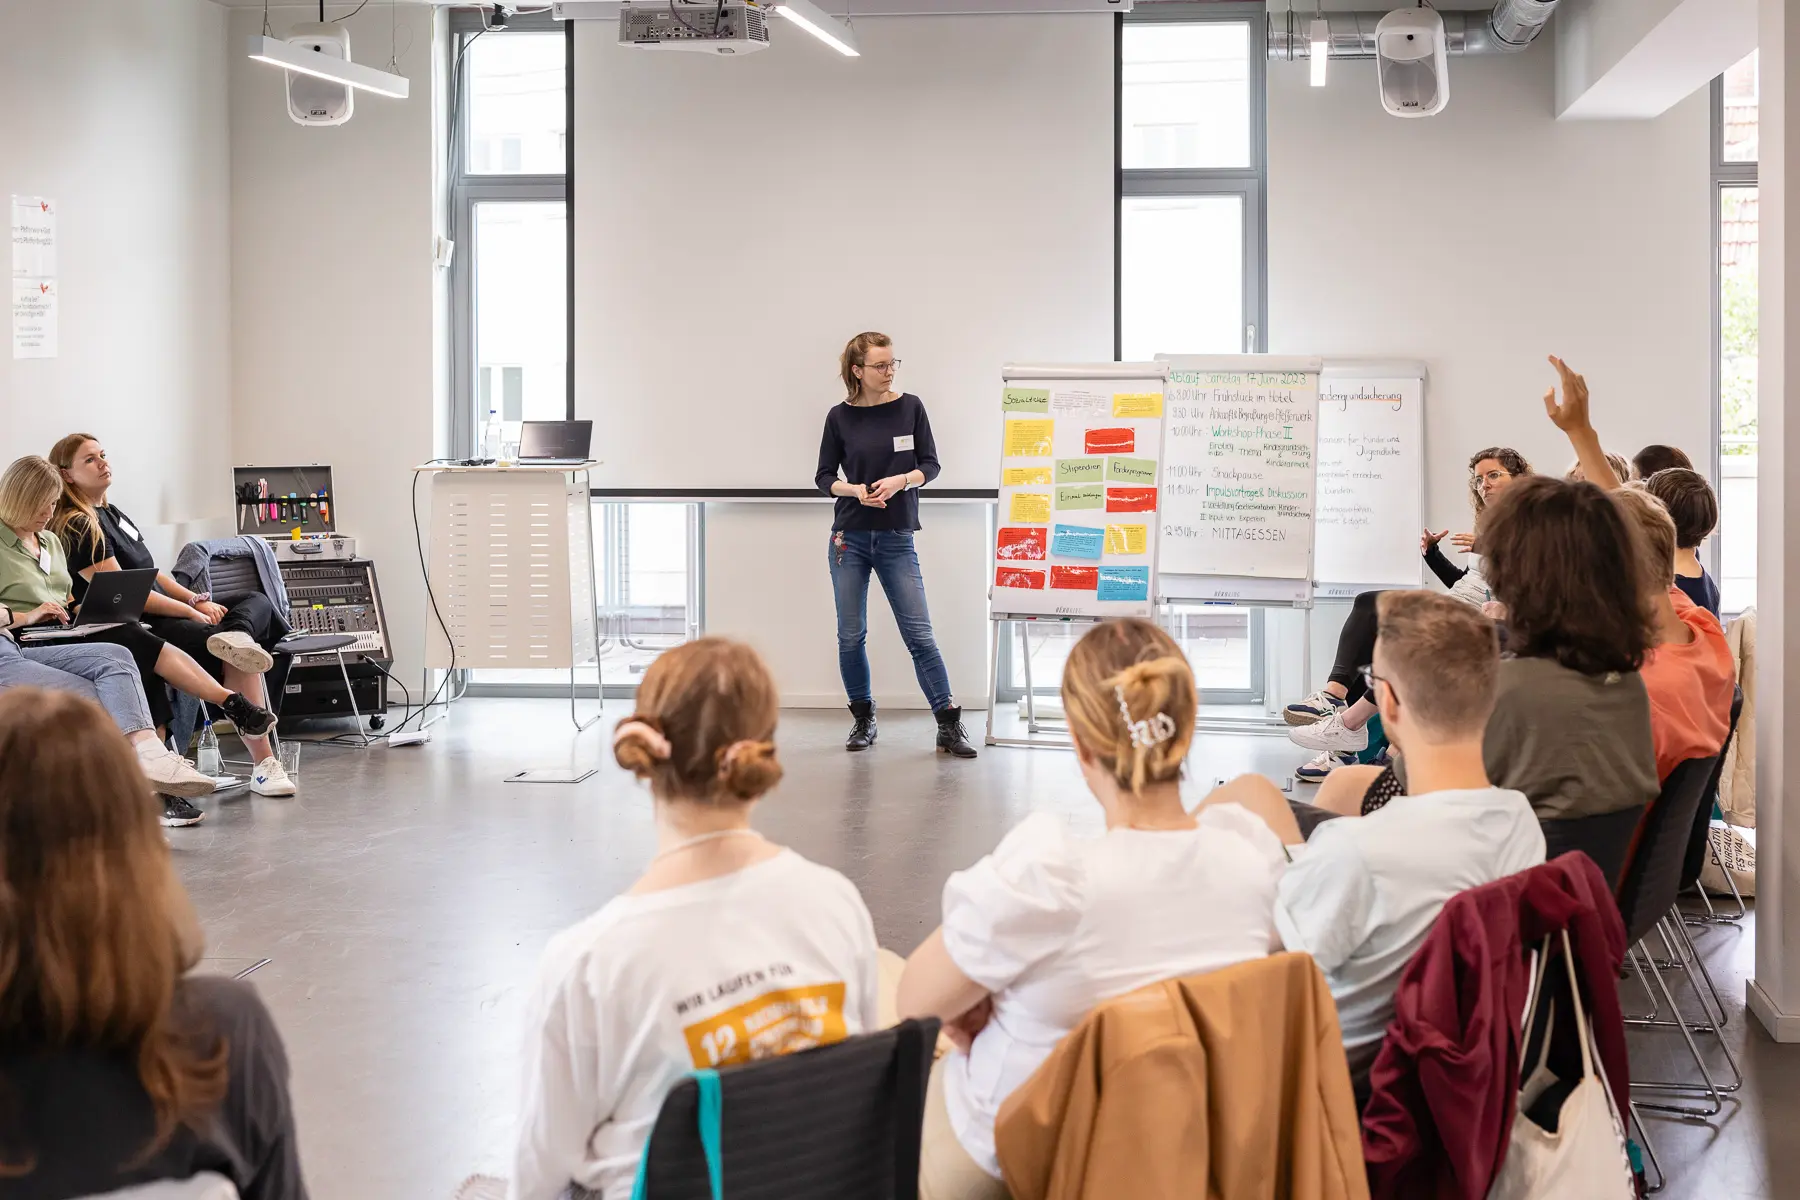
{"x": 34, "y": 277}
{"x": 34, "y": 318}
{"x": 1371, "y": 481}
{"x": 1078, "y": 450}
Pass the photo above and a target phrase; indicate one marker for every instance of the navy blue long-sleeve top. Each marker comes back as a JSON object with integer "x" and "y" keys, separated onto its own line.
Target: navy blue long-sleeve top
{"x": 869, "y": 444}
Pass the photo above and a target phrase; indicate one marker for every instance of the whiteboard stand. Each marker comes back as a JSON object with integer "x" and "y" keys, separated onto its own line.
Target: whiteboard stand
{"x": 512, "y": 572}
{"x": 1034, "y": 727}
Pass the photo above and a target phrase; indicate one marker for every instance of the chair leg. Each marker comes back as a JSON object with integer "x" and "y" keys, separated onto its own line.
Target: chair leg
{"x": 1662, "y": 1180}
{"x": 1644, "y": 980}
{"x": 1717, "y": 1101}
{"x": 1705, "y": 975}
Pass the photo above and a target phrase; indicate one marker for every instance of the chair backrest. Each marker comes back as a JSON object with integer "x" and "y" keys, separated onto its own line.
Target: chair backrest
{"x": 204, "y": 1186}
{"x": 1606, "y": 838}
{"x": 1654, "y": 876}
{"x": 830, "y": 1122}
{"x": 1696, "y": 848}
{"x": 233, "y": 578}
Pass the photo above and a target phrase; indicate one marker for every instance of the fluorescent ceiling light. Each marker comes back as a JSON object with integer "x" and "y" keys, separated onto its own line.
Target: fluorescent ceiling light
{"x": 1320, "y": 37}
{"x": 278, "y": 53}
{"x": 820, "y": 24}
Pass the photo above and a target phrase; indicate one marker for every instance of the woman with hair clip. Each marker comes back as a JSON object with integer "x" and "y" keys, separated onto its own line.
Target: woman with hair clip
{"x": 1049, "y": 925}
{"x": 116, "y": 1068}
{"x": 231, "y": 643}
{"x": 876, "y": 449}
{"x": 1334, "y": 719}
{"x": 36, "y": 587}
{"x": 710, "y": 959}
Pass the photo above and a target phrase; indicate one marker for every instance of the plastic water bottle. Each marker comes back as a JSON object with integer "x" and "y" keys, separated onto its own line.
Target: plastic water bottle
{"x": 207, "y": 761}
{"x": 491, "y": 438}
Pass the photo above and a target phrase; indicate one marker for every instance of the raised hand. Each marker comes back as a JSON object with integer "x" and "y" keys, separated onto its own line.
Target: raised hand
{"x": 1428, "y": 539}
{"x": 1571, "y": 414}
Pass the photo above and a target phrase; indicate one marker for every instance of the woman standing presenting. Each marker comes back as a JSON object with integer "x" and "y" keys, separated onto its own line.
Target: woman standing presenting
{"x": 880, "y": 440}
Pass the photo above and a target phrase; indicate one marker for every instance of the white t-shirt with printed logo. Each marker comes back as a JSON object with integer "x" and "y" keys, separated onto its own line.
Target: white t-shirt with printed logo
{"x": 1052, "y": 925}
{"x": 777, "y": 957}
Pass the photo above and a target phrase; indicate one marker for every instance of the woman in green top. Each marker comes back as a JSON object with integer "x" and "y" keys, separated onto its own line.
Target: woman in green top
{"x": 35, "y": 585}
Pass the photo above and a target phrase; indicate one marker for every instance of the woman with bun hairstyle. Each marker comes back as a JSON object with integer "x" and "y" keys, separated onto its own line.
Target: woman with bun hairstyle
{"x": 876, "y": 449}
{"x": 1049, "y": 925}
{"x": 117, "y": 1066}
{"x": 728, "y": 947}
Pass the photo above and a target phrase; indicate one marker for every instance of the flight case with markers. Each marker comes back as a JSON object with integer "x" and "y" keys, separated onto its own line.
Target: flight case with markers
{"x": 330, "y": 589}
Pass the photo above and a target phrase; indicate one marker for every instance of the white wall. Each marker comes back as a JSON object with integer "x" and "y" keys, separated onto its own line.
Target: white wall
{"x": 117, "y": 112}
{"x": 1485, "y": 238}
{"x": 334, "y": 296}
{"x": 768, "y": 583}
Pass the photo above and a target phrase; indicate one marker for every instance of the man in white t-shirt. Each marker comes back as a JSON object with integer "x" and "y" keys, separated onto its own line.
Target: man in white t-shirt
{"x": 1363, "y": 892}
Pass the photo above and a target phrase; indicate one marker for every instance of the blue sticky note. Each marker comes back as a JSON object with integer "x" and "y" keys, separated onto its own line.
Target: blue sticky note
{"x": 1078, "y": 541}
{"x": 1124, "y": 583}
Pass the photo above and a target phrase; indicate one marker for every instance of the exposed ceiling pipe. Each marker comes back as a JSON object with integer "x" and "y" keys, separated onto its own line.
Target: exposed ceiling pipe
{"x": 1511, "y": 26}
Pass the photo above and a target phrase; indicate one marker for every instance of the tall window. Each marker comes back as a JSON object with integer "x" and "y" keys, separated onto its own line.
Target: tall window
{"x": 509, "y": 220}
{"x": 1735, "y": 235}
{"x": 1191, "y": 171}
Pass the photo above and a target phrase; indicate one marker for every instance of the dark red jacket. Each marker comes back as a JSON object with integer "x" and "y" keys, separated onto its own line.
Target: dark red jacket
{"x": 1443, "y": 1089}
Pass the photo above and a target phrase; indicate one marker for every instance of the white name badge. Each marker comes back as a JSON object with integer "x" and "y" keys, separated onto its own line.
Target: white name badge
{"x": 904, "y": 443}
{"x": 44, "y": 558}
{"x": 130, "y": 530}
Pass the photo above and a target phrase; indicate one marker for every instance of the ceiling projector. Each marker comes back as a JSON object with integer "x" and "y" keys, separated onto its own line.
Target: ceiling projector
{"x": 1412, "y": 62}
{"x": 731, "y": 28}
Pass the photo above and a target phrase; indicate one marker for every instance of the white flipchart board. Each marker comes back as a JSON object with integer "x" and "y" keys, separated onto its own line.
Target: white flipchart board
{"x": 1371, "y": 476}
{"x": 1238, "y": 478}
{"x": 1077, "y": 529}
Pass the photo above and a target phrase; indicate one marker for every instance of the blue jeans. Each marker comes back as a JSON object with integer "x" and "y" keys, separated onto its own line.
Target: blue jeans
{"x": 889, "y": 553}
{"x": 99, "y": 671}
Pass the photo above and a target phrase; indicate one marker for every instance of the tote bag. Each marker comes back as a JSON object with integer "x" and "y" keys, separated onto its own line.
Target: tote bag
{"x": 1585, "y": 1158}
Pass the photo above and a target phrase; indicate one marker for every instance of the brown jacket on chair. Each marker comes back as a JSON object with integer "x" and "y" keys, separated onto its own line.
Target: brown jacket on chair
{"x": 1226, "y": 1086}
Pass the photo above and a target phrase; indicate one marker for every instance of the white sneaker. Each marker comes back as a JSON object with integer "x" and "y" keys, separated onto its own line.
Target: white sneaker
{"x": 271, "y": 780}
{"x": 238, "y": 649}
{"x": 1330, "y": 734}
{"x": 1316, "y": 769}
{"x": 174, "y": 775}
{"x": 1315, "y": 707}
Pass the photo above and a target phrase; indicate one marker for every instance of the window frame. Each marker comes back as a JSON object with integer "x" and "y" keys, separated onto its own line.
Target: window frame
{"x": 1725, "y": 175}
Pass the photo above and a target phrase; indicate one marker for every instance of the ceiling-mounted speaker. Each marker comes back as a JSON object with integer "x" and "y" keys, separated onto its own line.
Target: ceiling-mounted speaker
{"x": 315, "y": 101}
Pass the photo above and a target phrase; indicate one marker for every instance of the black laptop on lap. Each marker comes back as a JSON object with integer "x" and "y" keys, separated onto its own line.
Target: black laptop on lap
{"x": 113, "y": 598}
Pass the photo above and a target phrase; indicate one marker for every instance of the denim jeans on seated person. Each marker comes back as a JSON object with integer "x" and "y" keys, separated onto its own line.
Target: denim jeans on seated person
{"x": 889, "y": 553}
{"x": 98, "y": 670}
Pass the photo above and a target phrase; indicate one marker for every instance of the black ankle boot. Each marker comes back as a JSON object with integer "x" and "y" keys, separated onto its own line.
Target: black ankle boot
{"x": 862, "y": 734}
{"x": 952, "y": 738}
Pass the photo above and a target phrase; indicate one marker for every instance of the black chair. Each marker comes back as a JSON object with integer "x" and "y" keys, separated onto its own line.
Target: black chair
{"x": 823, "y": 1124}
{"x": 1647, "y": 903}
{"x": 1700, "y": 839}
{"x": 232, "y": 579}
{"x": 1606, "y": 839}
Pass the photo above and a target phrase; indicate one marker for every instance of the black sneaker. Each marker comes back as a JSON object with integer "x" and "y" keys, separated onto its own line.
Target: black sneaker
{"x": 952, "y": 738}
{"x": 178, "y": 812}
{"x": 862, "y": 733}
{"x": 247, "y": 717}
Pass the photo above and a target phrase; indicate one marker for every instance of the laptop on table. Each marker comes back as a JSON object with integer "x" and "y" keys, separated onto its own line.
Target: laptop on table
{"x": 554, "y": 443}
{"x": 113, "y": 598}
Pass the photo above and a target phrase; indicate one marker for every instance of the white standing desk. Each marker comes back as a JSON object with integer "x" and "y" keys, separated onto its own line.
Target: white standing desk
{"x": 511, "y": 571}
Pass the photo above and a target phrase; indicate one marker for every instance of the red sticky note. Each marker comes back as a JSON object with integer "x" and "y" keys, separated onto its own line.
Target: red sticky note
{"x": 1022, "y": 541}
{"x": 1018, "y": 577}
{"x": 1111, "y": 441}
{"x": 1130, "y": 499}
{"x": 1075, "y": 579}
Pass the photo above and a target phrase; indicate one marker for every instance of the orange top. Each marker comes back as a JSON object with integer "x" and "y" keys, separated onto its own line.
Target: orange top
{"x": 1690, "y": 690}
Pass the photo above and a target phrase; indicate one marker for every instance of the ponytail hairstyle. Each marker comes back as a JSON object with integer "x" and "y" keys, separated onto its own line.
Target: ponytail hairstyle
{"x": 854, "y": 355}
{"x": 1130, "y": 698}
{"x": 74, "y": 510}
{"x": 704, "y": 728}
{"x": 1507, "y": 457}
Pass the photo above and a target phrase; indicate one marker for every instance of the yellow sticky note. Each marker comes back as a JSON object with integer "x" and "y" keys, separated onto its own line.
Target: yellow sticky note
{"x": 1030, "y": 439}
{"x": 1137, "y": 404}
{"x": 1127, "y": 539}
{"x": 1025, "y": 477}
{"x": 1030, "y": 508}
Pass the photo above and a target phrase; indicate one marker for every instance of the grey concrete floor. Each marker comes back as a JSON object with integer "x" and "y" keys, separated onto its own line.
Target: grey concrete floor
{"x": 404, "y": 897}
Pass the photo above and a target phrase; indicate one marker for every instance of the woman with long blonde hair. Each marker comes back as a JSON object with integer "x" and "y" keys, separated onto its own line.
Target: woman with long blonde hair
{"x": 37, "y": 589}
{"x": 115, "y": 1069}
{"x": 1049, "y": 925}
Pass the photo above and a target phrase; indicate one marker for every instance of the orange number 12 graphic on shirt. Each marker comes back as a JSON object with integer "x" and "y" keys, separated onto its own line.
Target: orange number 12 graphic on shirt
{"x": 772, "y": 1024}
